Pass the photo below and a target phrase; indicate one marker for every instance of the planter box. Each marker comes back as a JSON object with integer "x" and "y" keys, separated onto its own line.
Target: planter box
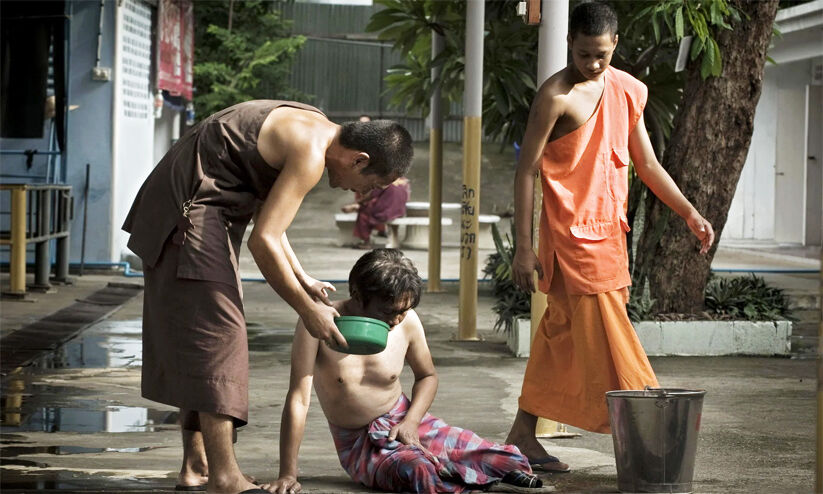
{"x": 519, "y": 339}
{"x": 763, "y": 338}
{"x": 693, "y": 338}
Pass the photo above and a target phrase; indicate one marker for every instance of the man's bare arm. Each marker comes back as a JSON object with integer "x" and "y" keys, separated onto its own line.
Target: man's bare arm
{"x": 316, "y": 289}
{"x": 543, "y": 115}
{"x": 302, "y": 170}
{"x": 661, "y": 184}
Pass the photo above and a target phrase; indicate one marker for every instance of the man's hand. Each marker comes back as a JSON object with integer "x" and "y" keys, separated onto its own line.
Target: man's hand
{"x": 524, "y": 264}
{"x": 284, "y": 485}
{"x": 319, "y": 322}
{"x": 317, "y": 289}
{"x": 701, "y": 229}
{"x": 406, "y": 433}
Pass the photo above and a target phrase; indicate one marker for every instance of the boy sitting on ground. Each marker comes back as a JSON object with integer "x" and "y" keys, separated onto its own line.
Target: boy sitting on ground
{"x": 384, "y": 440}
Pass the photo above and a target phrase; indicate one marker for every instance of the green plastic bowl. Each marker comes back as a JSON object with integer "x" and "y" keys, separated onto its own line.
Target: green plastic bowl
{"x": 365, "y": 336}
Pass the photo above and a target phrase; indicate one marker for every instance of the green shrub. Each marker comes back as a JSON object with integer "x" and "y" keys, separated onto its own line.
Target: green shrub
{"x": 640, "y": 308}
{"x": 510, "y": 301}
{"x": 747, "y": 297}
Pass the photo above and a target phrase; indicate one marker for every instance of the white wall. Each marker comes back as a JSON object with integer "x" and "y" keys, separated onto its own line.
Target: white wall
{"x": 752, "y": 215}
{"x": 133, "y": 139}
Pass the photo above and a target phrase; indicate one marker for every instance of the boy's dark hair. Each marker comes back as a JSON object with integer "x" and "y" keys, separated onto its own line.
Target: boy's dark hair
{"x": 387, "y": 143}
{"x": 592, "y": 19}
{"x": 386, "y": 275}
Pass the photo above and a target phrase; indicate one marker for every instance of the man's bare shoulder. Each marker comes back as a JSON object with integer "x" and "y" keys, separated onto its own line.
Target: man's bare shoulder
{"x": 287, "y": 129}
{"x": 555, "y": 91}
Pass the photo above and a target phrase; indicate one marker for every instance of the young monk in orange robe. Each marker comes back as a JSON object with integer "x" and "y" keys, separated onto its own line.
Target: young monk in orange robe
{"x": 585, "y": 123}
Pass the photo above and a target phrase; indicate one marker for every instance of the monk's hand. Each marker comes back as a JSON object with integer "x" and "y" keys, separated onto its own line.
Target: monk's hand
{"x": 317, "y": 290}
{"x": 319, "y": 322}
{"x": 284, "y": 485}
{"x": 701, "y": 229}
{"x": 524, "y": 264}
{"x": 406, "y": 433}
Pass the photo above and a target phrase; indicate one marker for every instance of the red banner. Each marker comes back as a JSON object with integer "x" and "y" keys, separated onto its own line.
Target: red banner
{"x": 176, "y": 47}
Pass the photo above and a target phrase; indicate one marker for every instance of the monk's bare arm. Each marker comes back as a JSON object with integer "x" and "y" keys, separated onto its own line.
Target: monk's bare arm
{"x": 315, "y": 288}
{"x": 419, "y": 359}
{"x": 545, "y": 111}
{"x": 302, "y": 170}
{"x": 293, "y": 421}
{"x": 662, "y": 185}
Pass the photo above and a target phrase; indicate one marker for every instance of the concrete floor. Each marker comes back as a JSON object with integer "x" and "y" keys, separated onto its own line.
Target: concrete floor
{"x": 83, "y": 425}
{"x": 75, "y": 420}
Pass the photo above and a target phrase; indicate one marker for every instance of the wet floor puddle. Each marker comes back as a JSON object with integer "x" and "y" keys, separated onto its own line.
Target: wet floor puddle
{"x": 32, "y": 406}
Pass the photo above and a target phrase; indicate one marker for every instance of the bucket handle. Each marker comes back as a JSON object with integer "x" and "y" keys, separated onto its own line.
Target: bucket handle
{"x": 662, "y": 396}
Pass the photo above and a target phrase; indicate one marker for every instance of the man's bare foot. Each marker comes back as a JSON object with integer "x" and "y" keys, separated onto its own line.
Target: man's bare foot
{"x": 201, "y": 480}
{"x": 230, "y": 485}
{"x": 539, "y": 459}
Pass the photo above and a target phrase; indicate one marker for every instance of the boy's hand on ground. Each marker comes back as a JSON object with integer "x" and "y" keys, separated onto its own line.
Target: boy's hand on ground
{"x": 701, "y": 229}
{"x": 284, "y": 485}
{"x": 524, "y": 264}
{"x": 319, "y": 322}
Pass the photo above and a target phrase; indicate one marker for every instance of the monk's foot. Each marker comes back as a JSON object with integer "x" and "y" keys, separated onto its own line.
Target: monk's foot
{"x": 192, "y": 477}
{"x": 229, "y": 484}
{"x": 527, "y": 444}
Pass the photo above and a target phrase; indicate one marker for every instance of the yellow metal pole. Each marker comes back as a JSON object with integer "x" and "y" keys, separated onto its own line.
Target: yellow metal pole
{"x": 545, "y": 427}
{"x": 435, "y": 170}
{"x": 551, "y": 57}
{"x": 435, "y": 201}
{"x": 470, "y": 207}
{"x": 469, "y": 229}
{"x": 18, "y": 241}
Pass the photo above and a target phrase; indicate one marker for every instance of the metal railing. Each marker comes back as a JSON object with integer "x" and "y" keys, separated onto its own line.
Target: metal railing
{"x": 39, "y": 213}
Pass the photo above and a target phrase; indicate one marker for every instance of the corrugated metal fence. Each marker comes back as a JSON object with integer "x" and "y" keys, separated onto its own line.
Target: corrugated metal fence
{"x": 342, "y": 67}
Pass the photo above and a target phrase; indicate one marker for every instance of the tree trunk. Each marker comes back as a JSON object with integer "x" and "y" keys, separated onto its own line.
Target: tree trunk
{"x": 705, "y": 155}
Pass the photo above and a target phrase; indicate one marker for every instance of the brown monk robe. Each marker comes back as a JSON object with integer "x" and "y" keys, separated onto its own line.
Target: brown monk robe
{"x": 205, "y": 191}
{"x": 255, "y": 158}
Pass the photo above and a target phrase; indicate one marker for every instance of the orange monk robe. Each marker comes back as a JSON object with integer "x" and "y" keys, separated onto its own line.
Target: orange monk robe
{"x": 586, "y": 344}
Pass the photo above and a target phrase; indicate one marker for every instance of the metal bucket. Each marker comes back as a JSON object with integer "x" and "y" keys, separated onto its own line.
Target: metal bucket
{"x": 655, "y": 438}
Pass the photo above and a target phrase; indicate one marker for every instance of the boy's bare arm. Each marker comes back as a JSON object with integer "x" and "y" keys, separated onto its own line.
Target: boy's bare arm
{"x": 545, "y": 110}
{"x": 662, "y": 185}
{"x": 293, "y": 421}
{"x": 419, "y": 359}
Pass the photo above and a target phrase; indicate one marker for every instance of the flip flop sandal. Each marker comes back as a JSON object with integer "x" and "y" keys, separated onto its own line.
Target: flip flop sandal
{"x": 539, "y": 465}
{"x": 520, "y": 482}
{"x": 190, "y": 488}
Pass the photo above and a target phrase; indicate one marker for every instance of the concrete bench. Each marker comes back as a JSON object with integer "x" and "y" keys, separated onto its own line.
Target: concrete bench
{"x": 345, "y": 227}
{"x": 485, "y": 239}
{"x": 421, "y": 208}
{"x": 417, "y": 230}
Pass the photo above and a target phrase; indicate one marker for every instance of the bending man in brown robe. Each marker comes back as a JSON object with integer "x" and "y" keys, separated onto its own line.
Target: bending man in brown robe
{"x": 258, "y": 158}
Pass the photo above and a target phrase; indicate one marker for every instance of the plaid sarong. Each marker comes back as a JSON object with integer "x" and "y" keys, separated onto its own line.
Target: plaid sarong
{"x": 455, "y": 460}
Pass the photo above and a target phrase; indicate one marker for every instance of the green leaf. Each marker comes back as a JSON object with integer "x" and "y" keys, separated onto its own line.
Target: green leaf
{"x": 656, "y": 27}
{"x": 697, "y": 47}
{"x": 678, "y": 23}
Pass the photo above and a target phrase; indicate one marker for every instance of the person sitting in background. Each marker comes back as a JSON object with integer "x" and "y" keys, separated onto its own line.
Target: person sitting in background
{"x": 376, "y": 208}
{"x": 385, "y": 440}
